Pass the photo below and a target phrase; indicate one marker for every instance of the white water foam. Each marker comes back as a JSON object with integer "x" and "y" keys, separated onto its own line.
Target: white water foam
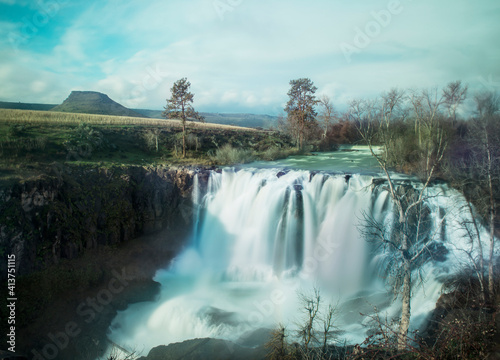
{"x": 263, "y": 235}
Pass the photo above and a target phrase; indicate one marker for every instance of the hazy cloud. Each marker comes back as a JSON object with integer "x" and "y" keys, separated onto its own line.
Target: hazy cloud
{"x": 244, "y": 60}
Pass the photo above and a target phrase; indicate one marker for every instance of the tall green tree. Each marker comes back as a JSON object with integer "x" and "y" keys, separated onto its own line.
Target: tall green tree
{"x": 300, "y": 106}
{"x": 179, "y": 106}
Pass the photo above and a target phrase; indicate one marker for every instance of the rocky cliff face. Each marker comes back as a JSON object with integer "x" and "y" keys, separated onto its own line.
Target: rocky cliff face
{"x": 64, "y": 213}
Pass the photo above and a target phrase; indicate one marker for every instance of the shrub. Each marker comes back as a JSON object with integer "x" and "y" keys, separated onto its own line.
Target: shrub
{"x": 328, "y": 144}
{"x": 16, "y": 130}
{"x": 228, "y": 155}
{"x": 192, "y": 141}
{"x": 151, "y": 137}
{"x": 275, "y": 153}
{"x": 83, "y": 141}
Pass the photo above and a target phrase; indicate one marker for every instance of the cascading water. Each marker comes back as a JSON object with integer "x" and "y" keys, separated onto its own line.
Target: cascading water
{"x": 263, "y": 235}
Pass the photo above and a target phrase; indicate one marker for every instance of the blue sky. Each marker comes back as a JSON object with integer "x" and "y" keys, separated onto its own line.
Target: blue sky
{"x": 241, "y": 54}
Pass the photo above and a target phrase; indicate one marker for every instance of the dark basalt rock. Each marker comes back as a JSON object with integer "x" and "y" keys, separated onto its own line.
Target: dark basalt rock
{"x": 282, "y": 173}
{"x": 63, "y": 214}
{"x": 298, "y": 187}
{"x": 4, "y": 355}
{"x": 205, "y": 349}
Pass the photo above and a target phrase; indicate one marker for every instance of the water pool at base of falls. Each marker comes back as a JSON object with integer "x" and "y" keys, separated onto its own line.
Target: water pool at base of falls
{"x": 264, "y": 235}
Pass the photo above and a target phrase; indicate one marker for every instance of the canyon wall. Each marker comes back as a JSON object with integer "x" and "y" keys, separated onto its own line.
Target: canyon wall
{"x": 68, "y": 210}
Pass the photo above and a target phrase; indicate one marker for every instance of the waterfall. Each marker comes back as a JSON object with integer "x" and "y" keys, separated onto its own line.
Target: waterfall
{"x": 258, "y": 226}
{"x": 263, "y": 235}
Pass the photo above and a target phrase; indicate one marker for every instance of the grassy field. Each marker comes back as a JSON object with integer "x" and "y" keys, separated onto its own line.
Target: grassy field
{"x": 32, "y": 117}
{"x": 32, "y": 140}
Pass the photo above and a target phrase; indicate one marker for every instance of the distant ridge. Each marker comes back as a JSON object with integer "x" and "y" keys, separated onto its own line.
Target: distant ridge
{"x": 93, "y": 102}
{"x": 25, "y": 106}
{"x": 238, "y": 119}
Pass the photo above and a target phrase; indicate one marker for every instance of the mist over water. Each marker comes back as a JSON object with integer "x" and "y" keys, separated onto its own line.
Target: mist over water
{"x": 264, "y": 234}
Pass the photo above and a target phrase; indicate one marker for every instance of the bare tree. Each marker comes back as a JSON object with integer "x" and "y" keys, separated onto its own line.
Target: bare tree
{"x": 277, "y": 344}
{"x": 477, "y": 175}
{"x": 408, "y": 246}
{"x": 290, "y": 126}
{"x": 363, "y": 112}
{"x": 432, "y": 102}
{"x": 426, "y": 106}
{"x": 472, "y": 228}
{"x": 392, "y": 106}
{"x": 151, "y": 138}
{"x": 485, "y": 141}
{"x": 327, "y": 113}
{"x": 310, "y": 308}
{"x": 408, "y": 243}
{"x": 454, "y": 94}
{"x": 330, "y": 331}
{"x": 487, "y": 103}
{"x": 356, "y": 110}
{"x": 463, "y": 174}
{"x": 316, "y": 328}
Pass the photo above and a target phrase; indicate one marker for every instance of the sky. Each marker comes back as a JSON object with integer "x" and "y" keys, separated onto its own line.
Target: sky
{"x": 240, "y": 55}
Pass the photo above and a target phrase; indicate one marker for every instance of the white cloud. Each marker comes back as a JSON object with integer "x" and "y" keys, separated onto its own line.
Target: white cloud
{"x": 28, "y": 84}
{"x": 229, "y": 96}
{"x": 38, "y": 86}
{"x": 71, "y": 47}
{"x": 134, "y": 51}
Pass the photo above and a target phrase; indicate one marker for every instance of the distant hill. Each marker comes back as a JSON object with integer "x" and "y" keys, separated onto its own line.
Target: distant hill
{"x": 92, "y": 102}
{"x": 245, "y": 120}
{"x": 155, "y": 114}
{"x": 25, "y": 106}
